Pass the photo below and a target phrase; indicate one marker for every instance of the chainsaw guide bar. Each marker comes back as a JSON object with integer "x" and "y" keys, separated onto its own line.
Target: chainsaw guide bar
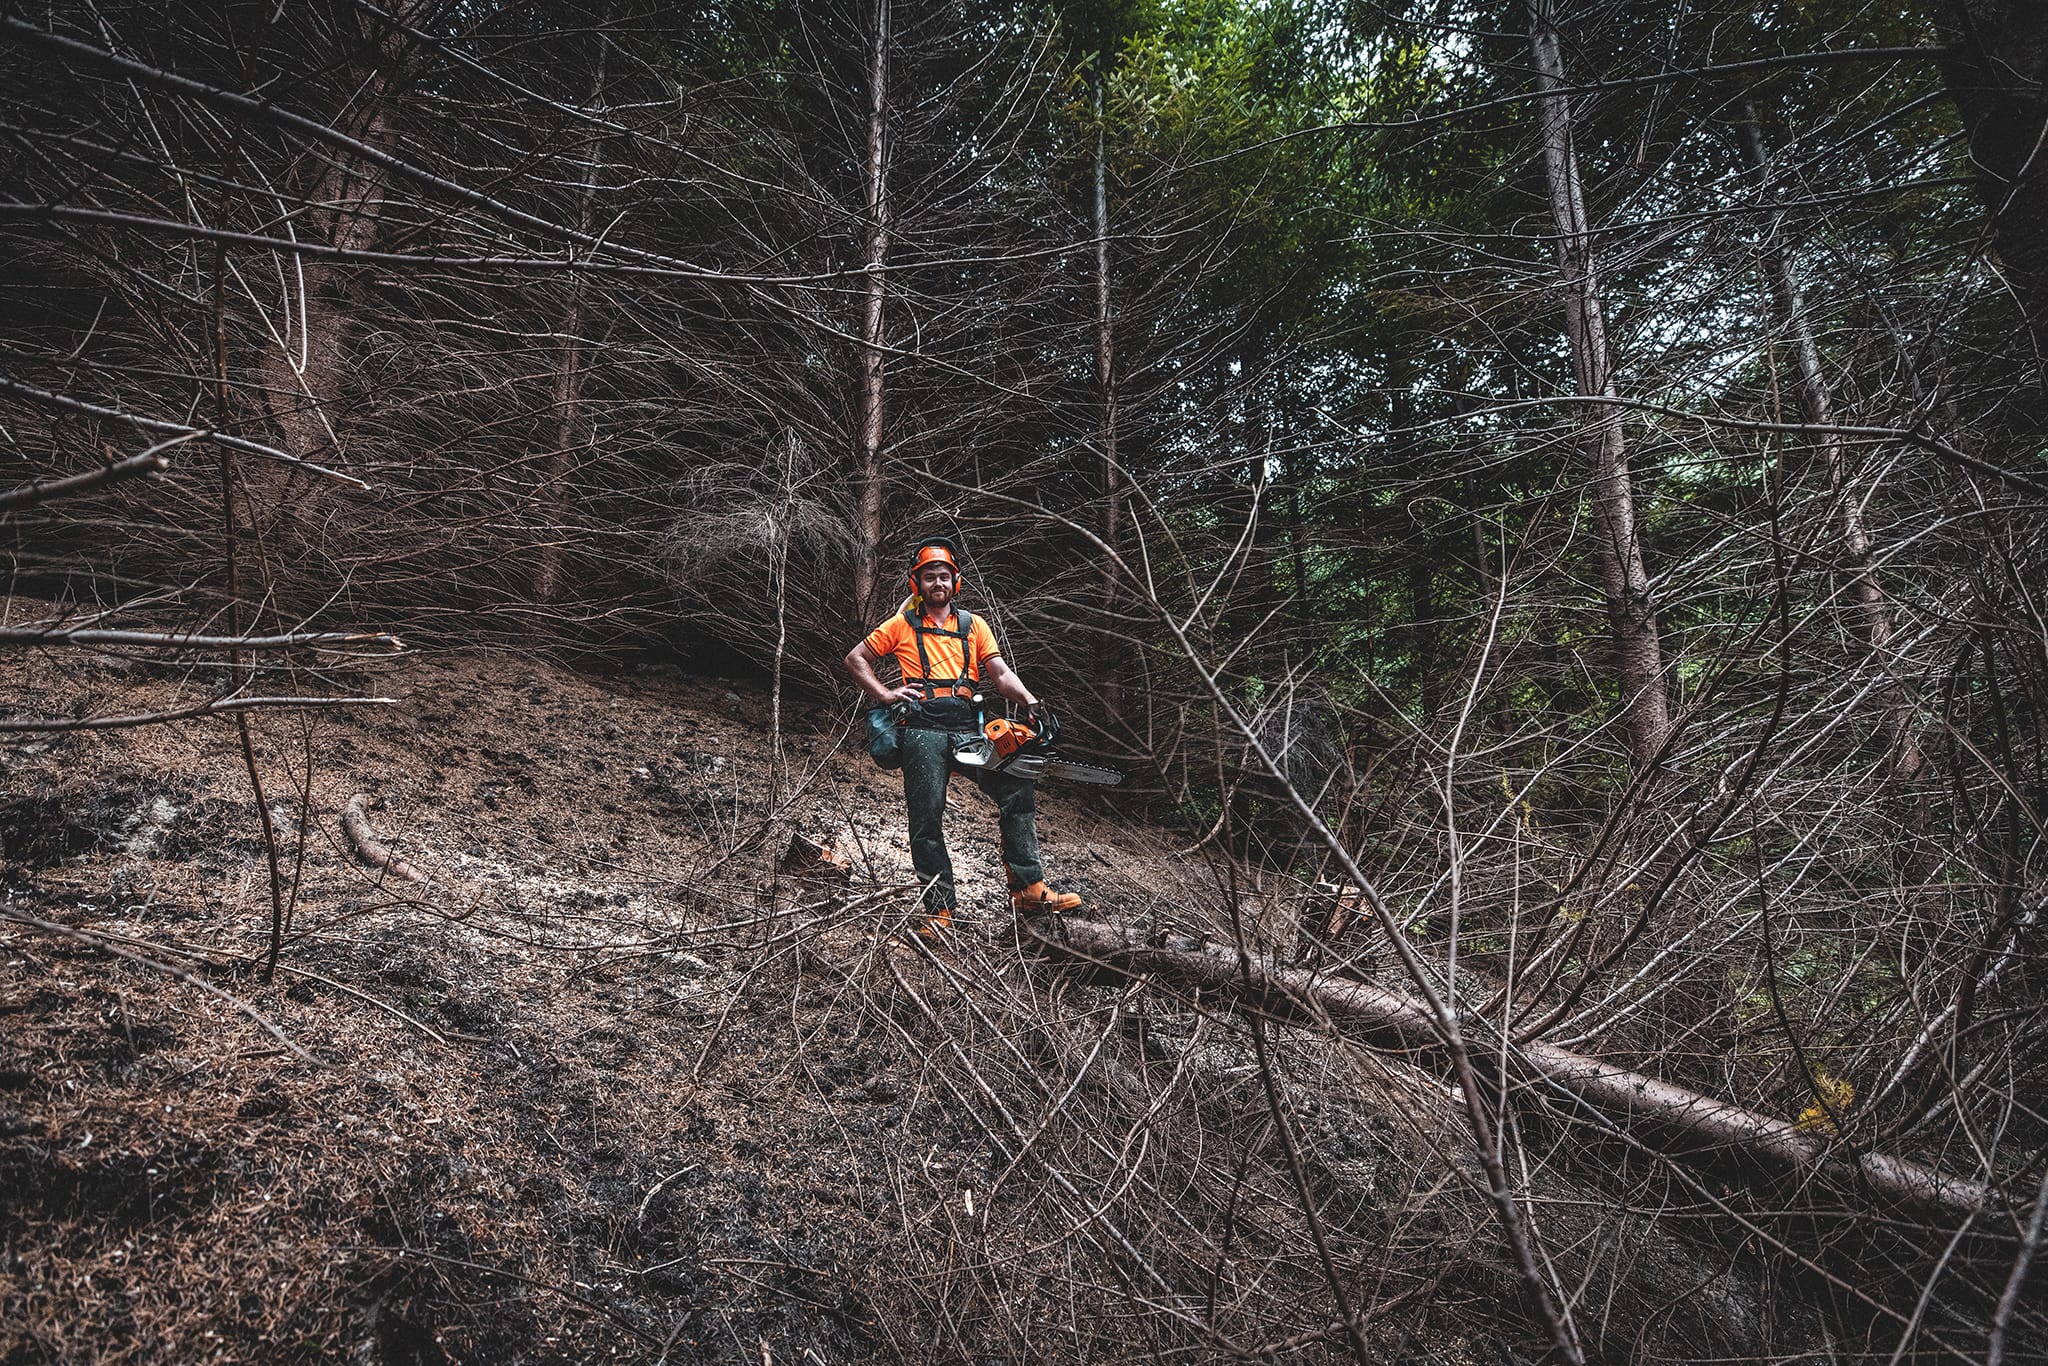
{"x": 1034, "y": 764}
{"x": 1082, "y": 773}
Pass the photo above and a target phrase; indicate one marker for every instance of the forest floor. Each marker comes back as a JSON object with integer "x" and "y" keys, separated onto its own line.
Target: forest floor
{"x": 572, "y": 1098}
{"x": 617, "y": 1079}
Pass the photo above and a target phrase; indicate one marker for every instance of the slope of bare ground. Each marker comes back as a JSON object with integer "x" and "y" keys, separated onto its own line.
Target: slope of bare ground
{"x": 616, "y": 1081}
{"x": 590, "y": 1124}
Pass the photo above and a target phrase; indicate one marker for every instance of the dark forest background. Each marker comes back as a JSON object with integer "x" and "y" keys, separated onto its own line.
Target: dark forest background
{"x": 1578, "y": 467}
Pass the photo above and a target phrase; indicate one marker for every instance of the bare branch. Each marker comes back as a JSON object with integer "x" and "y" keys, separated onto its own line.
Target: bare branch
{"x": 150, "y": 461}
{"x": 178, "y": 640}
{"x": 219, "y": 706}
{"x": 105, "y": 945}
{"x": 151, "y": 424}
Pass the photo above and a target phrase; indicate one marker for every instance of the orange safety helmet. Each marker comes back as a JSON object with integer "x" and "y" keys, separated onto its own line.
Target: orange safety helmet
{"x": 937, "y": 550}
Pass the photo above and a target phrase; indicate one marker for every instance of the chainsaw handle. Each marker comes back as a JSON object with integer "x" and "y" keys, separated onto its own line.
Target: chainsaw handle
{"x": 1041, "y": 718}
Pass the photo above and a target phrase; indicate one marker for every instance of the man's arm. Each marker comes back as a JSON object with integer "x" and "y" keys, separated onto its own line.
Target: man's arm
{"x": 861, "y": 662}
{"x": 1004, "y": 680}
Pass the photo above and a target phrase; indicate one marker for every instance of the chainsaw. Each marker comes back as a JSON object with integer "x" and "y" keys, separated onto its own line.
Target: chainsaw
{"x": 1022, "y": 751}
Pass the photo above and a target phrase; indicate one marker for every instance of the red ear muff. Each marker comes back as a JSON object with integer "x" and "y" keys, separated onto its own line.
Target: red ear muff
{"x": 959, "y": 586}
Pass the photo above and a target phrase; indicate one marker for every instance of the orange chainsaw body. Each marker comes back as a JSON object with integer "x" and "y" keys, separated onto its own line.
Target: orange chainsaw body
{"x": 1008, "y": 736}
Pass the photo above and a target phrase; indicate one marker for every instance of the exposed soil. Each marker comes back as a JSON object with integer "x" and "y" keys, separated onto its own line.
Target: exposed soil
{"x": 618, "y": 1081}
{"x": 579, "y": 1099}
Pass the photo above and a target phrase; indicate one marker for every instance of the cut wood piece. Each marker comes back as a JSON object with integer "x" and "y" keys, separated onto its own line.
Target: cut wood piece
{"x": 373, "y": 851}
{"x": 1340, "y": 904}
{"x": 807, "y": 858}
{"x": 1757, "y": 1148}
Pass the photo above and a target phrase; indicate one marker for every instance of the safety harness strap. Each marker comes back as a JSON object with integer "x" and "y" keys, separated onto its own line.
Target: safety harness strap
{"x": 968, "y": 671}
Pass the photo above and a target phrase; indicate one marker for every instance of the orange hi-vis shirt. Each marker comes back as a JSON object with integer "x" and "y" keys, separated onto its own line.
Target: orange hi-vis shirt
{"x": 897, "y": 637}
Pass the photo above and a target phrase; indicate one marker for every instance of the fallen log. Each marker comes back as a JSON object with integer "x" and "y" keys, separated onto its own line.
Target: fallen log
{"x": 1755, "y": 1147}
{"x": 355, "y": 823}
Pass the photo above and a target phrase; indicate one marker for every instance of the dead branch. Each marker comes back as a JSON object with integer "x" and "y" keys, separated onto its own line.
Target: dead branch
{"x": 2009, "y": 1298}
{"x": 181, "y": 640}
{"x": 1921, "y": 440}
{"x": 1671, "y": 1118}
{"x": 373, "y": 851}
{"x": 40, "y": 490}
{"x": 265, "y": 111}
{"x": 105, "y": 944}
{"x": 198, "y": 954}
{"x": 219, "y": 706}
{"x": 152, "y": 424}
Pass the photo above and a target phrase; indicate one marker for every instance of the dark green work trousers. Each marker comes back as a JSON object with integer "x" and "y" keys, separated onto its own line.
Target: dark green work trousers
{"x": 927, "y": 765}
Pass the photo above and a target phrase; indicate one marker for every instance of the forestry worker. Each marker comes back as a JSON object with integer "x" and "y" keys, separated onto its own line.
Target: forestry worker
{"x": 945, "y": 656}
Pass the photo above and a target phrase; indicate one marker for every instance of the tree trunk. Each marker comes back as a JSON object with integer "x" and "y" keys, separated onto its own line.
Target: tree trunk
{"x": 304, "y": 363}
{"x": 552, "y": 497}
{"x": 1404, "y": 450}
{"x": 1255, "y": 586}
{"x": 1112, "y": 649}
{"x": 1873, "y": 606}
{"x": 1997, "y": 73}
{"x": 1422, "y": 629}
{"x": 1631, "y": 606}
{"x": 869, "y": 529}
{"x": 1251, "y": 520}
{"x": 778, "y": 577}
{"x": 1739, "y": 1143}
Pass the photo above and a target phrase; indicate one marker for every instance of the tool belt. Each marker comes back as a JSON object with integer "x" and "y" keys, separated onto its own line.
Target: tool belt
{"x": 942, "y": 713}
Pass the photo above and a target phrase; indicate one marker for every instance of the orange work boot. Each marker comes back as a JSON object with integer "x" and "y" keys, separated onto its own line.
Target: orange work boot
{"x": 938, "y": 924}
{"x": 1038, "y": 899}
